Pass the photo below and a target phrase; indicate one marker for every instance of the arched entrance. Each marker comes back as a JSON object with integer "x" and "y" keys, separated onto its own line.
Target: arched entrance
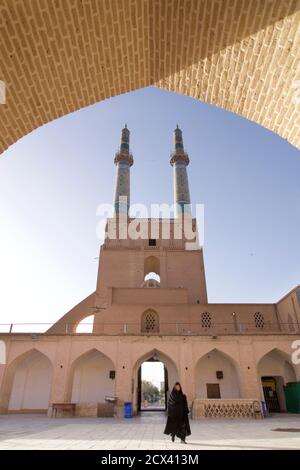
{"x": 153, "y": 385}
{"x": 276, "y": 374}
{"x": 216, "y": 376}
{"x": 153, "y": 378}
{"x": 28, "y": 383}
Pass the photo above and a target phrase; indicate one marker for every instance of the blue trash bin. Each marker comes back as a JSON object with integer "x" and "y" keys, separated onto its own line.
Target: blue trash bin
{"x": 127, "y": 409}
{"x": 264, "y": 408}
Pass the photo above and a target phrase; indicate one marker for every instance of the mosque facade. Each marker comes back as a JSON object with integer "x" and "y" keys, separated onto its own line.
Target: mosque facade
{"x": 150, "y": 305}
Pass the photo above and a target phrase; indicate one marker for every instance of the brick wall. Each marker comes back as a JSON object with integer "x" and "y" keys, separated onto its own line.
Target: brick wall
{"x": 59, "y": 56}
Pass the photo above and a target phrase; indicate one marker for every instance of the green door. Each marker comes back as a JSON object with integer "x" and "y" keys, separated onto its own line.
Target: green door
{"x": 292, "y": 397}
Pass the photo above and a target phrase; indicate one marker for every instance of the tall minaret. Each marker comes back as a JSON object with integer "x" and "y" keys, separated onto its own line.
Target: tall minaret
{"x": 179, "y": 161}
{"x": 123, "y": 161}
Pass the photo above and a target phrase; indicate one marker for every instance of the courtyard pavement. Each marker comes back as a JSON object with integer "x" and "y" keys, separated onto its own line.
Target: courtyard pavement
{"x": 145, "y": 432}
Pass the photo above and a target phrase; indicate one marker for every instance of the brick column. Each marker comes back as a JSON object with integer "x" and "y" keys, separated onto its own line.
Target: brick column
{"x": 250, "y": 386}
{"x": 61, "y": 374}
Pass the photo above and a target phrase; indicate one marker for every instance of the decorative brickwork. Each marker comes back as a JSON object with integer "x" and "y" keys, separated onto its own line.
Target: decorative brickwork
{"x": 206, "y": 320}
{"x": 259, "y": 320}
{"x": 150, "y": 322}
{"x": 57, "y": 57}
{"x": 228, "y": 409}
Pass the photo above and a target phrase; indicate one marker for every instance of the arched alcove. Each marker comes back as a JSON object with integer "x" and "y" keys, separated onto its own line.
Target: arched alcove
{"x": 90, "y": 378}
{"x": 30, "y": 382}
{"x": 216, "y": 376}
{"x": 152, "y": 265}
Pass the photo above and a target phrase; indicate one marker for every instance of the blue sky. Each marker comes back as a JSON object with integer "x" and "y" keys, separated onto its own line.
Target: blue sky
{"x": 53, "y": 180}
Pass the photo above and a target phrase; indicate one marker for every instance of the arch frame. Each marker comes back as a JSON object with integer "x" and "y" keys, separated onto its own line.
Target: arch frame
{"x": 10, "y": 373}
{"x": 228, "y": 357}
{"x": 163, "y": 357}
{"x": 76, "y": 361}
{"x": 267, "y": 93}
{"x": 279, "y": 380}
{"x": 152, "y": 265}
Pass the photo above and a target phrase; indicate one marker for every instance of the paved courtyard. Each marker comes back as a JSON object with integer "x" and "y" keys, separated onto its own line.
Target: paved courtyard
{"x": 145, "y": 432}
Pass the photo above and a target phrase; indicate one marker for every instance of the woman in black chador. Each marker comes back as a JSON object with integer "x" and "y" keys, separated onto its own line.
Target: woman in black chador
{"x": 178, "y": 420}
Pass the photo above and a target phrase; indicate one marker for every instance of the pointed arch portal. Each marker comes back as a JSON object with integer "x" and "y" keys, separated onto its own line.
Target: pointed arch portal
{"x": 278, "y": 378}
{"x": 152, "y": 401}
{"x": 152, "y": 394}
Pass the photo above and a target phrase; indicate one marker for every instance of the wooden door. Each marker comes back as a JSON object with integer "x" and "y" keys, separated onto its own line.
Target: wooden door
{"x": 213, "y": 391}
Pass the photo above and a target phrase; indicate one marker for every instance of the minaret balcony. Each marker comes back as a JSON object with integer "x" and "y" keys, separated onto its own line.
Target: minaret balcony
{"x": 179, "y": 157}
{"x": 122, "y": 157}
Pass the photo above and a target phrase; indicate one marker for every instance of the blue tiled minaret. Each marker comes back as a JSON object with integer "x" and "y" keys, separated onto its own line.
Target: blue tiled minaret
{"x": 179, "y": 161}
{"x": 123, "y": 161}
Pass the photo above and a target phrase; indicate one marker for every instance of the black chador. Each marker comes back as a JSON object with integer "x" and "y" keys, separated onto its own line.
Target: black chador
{"x": 178, "y": 421}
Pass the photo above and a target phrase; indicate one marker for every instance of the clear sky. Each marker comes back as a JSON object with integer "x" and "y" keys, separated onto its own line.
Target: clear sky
{"x": 53, "y": 180}
{"x": 153, "y": 372}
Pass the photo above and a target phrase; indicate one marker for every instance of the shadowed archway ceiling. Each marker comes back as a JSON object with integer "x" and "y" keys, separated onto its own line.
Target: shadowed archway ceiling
{"x": 57, "y": 56}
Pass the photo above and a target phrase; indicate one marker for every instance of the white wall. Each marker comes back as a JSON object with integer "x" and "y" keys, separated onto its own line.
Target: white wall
{"x": 32, "y": 383}
{"x": 206, "y": 373}
{"x": 91, "y": 382}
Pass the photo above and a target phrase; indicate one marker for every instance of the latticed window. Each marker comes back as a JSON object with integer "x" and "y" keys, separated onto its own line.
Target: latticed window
{"x": 206, "y": 320}
{"x": 259, "y": 320}
{"x": 150, "y": 322}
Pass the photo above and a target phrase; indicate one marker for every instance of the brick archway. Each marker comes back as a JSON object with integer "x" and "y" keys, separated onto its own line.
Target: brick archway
{"x": 58, "y": 57}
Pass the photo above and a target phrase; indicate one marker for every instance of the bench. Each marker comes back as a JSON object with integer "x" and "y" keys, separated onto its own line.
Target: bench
{"x": 63, "y": 406}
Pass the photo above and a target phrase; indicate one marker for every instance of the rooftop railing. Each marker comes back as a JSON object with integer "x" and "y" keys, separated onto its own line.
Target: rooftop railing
{"x": 168, "y": 329}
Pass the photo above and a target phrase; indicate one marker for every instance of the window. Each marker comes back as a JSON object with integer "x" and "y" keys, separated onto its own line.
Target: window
{"x": 259, "y": 320}
{"x": 150, "y": 323}
{"x": 206, "y": 320}
{"x": 152, "y": 242}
